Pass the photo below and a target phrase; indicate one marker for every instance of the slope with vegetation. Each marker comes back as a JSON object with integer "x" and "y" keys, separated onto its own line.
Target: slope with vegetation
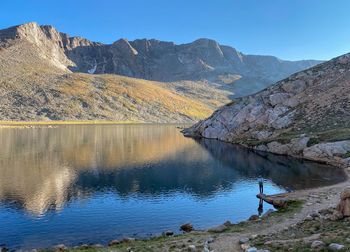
{"x": 306, "y": 115}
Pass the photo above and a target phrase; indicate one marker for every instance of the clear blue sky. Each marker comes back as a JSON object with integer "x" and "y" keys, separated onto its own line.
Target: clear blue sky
{"x": 289, "y": 29}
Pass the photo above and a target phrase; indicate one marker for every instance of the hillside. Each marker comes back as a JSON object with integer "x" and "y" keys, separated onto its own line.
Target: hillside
{"x": 47, "y": 75}
{"x": 305, "y": 115}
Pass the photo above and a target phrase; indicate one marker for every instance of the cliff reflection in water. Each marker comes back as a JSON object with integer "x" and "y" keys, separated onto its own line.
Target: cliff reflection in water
{"x": 43, "y": 169}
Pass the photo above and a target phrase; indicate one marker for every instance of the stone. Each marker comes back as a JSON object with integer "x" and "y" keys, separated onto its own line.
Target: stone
{"x": 113, "y": 243}
{"x": 210, "y": 240}
{"x": 316, "y": 244}
{"x": 276, "y": 202}
{"x": 169, "y": 233}
{"x": 344, "y": 205}
{"x": 267, "y": 213}
{"x": 308, "y": 218}
{"x": 244, "y": 240}
{"x": 192, "y": 247}
{"x": 252, "y": 249}
{"x": 227, "y": 223}
{"x": 218, "y": 228}
{"x": 253, "y": 217}
{"x": 278, "y": 98}
{"x": 187, "y": 227}
{"x": 128, "y": 239}
{"x": 345, "y": 194}
{"x": 336, "y": 246}
{"x": 60, "y": 247}
{"x": 205, "y": 249}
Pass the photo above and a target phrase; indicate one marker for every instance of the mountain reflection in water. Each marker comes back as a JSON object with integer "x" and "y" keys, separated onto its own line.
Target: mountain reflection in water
{"x": 81, "y": 169}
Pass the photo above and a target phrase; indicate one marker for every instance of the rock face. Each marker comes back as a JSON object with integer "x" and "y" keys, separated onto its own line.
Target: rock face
{"x": 344, "y": 204}
{"x": 305, "y": 115}
{"x": 157, "y": 60}
{"x": 48, "y": 75}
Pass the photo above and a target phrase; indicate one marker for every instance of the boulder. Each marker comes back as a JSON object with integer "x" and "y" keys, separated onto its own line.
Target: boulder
{"x": 244, "y": 240}
{"x": 344, "y": 205}
{"x": 128, "y": 239}
{"x": 316, "y": 244}
{"x": 187, "y": 227}
{"x": 267, "y": 213}
{"x": 219, "y": 228}
{"x": 253, "y": 217}
{"x": 336, "y": 246}
{"x": 276, "y": 202}
{"x": 227, "y": 223}
{"x": 60, "y": 247}
{"x": 113, "y": 243}
{"x": 169, "y": 233}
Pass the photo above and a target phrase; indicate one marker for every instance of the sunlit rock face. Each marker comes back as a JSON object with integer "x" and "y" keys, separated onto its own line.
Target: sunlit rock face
{"x": 203, "y": 59}
{"x": 306, "y": 114}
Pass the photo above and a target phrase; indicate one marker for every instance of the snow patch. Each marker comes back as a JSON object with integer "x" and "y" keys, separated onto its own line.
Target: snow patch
{"x": 180, "y": 60}
{"x": 92, "y": 70}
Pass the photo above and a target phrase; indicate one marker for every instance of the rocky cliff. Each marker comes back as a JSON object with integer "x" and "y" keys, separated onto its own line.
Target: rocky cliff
{"x": 48, "y": 75}
{"x": 305, "y": 115}
{"x": 203, "y": 59}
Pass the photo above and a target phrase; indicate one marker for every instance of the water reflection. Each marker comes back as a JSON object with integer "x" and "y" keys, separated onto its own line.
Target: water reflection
{"x": 42, "y": 169}
{"x": 101, "y": 182}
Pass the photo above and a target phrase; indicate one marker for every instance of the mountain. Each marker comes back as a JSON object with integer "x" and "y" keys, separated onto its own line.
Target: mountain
{"x": 48, "y": 75}
{"x": 305, "y": 115}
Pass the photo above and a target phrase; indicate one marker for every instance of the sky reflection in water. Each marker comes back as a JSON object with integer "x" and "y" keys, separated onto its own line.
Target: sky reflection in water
{"x": 101, "y": 182}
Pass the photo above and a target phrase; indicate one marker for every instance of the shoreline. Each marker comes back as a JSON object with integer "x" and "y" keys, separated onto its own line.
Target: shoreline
{"x": 223, "y": 241}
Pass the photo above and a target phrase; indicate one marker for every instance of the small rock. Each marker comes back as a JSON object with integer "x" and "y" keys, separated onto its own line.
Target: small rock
{"x": 205, "y": 249}
{"x": 336, "y": 246}
{"x": 113, "y": 243}
{"x": 268, "y": 243}
{"x": 219, "y": 228}
{"x": 210, "y": 240}
{"x": 169, "y": 233}
{"x": 264, "y": 250}
{"x": 267, "y": 213}
{"x": 316, "y": 244}
{"x": 253, "y": 217}
{"x": 192, "y": 247}
{"x": 309, "y": 218}
{"x": 187, "y": 227}
{"x": 314, "y": 214}
{"x": 60, "y": 247}
{"x": 253, "y": 236}
{"x": 244, "y": 240}
{"x": 84, "y": 246}
{"x": 128, "y": 239}
{"x": 227, "y": 223}
{"x": 245, "y": 246}
{"x": 252, "y": 249}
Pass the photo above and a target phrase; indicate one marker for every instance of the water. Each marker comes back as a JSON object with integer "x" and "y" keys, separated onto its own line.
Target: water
{"x": 92, "y": 184}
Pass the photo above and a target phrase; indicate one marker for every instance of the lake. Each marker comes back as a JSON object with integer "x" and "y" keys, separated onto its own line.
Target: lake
{"x": 77, "y": 184}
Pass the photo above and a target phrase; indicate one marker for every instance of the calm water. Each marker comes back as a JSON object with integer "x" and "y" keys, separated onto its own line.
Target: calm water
{"x": 92, "y": 184}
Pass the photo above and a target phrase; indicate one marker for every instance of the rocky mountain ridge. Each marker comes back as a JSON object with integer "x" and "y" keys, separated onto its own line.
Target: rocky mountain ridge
{"x": 48, "y": 75}
{"x": 203, "y": 59}
{"x": 305, "y": 115}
